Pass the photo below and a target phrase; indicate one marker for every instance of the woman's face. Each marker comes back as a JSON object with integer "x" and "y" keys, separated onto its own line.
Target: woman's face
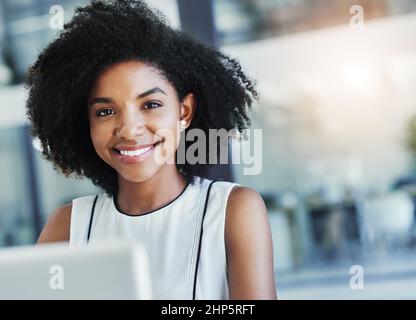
{"x": 134, "y": 113}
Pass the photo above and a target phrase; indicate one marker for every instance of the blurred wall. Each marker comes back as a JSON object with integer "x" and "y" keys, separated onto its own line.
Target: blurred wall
{"x": 334, "y": 105}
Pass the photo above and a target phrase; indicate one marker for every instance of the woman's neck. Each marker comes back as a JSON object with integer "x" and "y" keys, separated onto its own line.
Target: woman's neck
{"x": 136, "y": 198}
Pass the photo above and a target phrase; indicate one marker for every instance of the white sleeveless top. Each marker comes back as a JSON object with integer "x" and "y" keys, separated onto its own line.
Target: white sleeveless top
{"x": 186, "y": 248}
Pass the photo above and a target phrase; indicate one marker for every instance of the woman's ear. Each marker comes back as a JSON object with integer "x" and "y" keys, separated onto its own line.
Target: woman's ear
{"x": 188, "y": 106}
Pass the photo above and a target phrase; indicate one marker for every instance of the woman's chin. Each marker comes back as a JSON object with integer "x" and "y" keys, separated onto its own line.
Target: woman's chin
{"x": 138, "y": 175}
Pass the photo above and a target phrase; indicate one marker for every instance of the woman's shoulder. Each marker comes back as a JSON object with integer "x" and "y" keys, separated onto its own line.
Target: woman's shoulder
{"x": 57, "y": 227}
{"x": 242, "y": 196}
{"x": 245, "y": 210}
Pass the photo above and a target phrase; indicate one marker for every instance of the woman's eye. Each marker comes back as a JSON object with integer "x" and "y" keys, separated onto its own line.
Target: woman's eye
{"x": 151, "y": 105}
{"x": 104, "y": 112}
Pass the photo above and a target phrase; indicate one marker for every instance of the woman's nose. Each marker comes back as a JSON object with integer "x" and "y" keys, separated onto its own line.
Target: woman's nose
{"x": 131, "y": 125}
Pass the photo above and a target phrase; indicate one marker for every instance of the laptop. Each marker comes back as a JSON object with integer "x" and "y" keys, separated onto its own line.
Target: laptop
{"x": 106, "y": 270}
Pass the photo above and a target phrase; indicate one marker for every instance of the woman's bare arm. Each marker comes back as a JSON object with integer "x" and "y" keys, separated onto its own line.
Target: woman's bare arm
{"x": 249, "y": 247}
{"x": 57, "y": 226}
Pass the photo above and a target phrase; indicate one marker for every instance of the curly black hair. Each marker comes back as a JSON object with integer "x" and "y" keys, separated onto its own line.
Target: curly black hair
{"x": 107, "y": 32}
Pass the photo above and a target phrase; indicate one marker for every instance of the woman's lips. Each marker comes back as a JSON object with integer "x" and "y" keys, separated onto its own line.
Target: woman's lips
{"x": 130, "y": 159}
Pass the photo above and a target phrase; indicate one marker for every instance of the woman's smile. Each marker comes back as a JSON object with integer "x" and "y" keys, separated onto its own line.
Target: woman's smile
{"x": 134, "y": 154}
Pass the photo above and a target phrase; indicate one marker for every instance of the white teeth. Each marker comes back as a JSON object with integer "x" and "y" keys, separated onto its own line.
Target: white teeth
{"x": 135, "y": 153}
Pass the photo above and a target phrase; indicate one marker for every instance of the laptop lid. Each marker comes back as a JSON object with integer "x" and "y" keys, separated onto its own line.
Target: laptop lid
{"x": 106, "y": 270}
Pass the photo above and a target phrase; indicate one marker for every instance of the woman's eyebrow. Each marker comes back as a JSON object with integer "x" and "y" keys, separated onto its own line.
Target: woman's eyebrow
{"x": 149, "y": 92}
{"x": 140, "y": 96}
{"x": 100, "y": 100}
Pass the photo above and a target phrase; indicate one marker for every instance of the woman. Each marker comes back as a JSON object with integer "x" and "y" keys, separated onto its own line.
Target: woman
{"x": 105, "y": 100}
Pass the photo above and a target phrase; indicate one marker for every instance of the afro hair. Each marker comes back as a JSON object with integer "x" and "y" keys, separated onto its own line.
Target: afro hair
{"x": 107, "y": 32}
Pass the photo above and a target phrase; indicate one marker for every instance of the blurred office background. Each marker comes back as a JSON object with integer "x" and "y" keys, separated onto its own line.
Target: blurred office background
{"x": 338, "y": 114}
